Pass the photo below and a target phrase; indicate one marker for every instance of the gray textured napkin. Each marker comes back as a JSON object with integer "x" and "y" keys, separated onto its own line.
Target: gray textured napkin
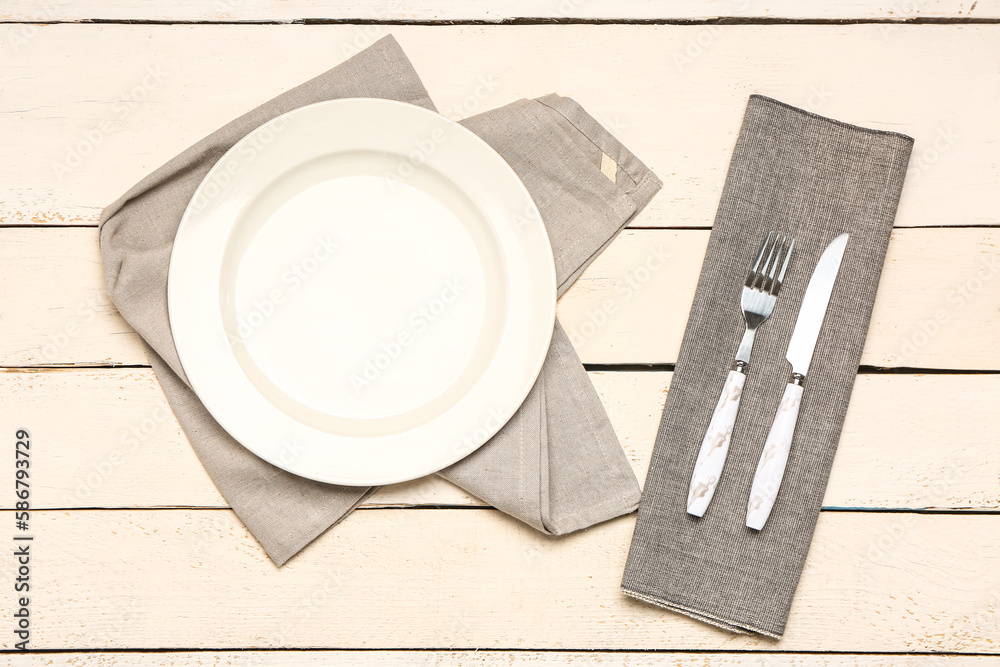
{"x": 557, "y": 464}
{"x": 814, "y": 178}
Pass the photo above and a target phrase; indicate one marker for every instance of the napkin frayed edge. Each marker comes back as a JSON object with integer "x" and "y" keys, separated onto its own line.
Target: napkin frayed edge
{"x": 697, "y": 615}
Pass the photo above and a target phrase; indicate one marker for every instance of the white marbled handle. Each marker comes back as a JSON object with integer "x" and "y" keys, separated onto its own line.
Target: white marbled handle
{"x": 771, "y": 467}
{"x": 715, "y": 446}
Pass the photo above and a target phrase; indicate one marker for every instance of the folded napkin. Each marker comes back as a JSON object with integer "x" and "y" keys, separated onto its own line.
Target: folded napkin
{"x": 814, "y": 178}
{"x": 557, "y": 464}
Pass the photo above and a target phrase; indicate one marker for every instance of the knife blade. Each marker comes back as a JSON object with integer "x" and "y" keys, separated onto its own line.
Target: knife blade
{"x": 771, "y": 466}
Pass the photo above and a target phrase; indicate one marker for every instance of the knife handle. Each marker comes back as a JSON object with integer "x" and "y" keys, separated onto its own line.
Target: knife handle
{"x": 715, "y": 446}
{"x": 771, "y": 466}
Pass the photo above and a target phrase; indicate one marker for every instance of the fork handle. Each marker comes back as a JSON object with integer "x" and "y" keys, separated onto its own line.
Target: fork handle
{"x": 715, "y": 446}
{"x": 771, "y": 466}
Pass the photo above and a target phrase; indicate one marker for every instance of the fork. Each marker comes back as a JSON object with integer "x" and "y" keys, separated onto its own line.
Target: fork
{"x": 760, "y": 291}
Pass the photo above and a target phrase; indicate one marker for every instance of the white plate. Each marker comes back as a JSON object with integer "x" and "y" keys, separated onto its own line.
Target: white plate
{"x": 361, "y": 292}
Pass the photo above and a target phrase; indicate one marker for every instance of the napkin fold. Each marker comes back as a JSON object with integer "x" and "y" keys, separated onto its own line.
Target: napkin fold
{"x": 557, "y": 464}
{"x": 813, "y": 178}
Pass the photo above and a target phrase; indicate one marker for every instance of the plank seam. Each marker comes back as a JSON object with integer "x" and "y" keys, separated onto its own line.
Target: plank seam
{"x": 450, "y": 649}
{"x": 694, "y": 228}
{"x": 530, "y": 20}
{"x": 603, "y": 368}
{"x": 677, "y": 228}
{"x": 956, "y": 511}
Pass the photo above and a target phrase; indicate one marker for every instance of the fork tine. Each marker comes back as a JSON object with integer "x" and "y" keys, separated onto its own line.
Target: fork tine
{"x": 767, "y": 263}
{"x": 769, "y": 282}
{"x": 752, "y": 276}
{"x": 784, "y": 267}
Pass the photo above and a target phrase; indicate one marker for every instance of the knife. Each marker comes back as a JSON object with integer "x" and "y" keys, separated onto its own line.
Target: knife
{"x": 771, "y": 466}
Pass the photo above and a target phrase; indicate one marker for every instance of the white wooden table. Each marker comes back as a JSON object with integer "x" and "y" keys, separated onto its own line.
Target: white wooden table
{"x": 136, "y": 558}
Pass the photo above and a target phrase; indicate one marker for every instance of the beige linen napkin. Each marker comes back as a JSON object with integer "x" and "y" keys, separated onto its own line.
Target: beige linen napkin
{"x": 557, "y": 464}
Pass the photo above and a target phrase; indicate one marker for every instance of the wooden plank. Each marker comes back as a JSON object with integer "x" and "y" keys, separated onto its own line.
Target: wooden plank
{"x": 82, "y": 125}
{"x": 376, "y": 658}
{"x": 498, "y": 10}
{"x": 109, "y": 579}
{"x": 116, "y": 444}
{"x": 935, "y": 309}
